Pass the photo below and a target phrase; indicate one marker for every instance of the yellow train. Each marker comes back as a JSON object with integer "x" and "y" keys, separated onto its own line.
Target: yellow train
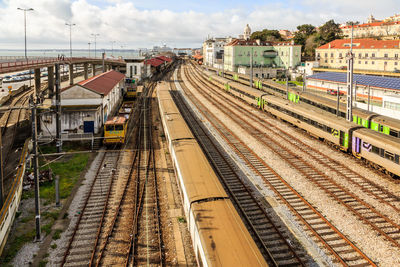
{"x": 131, "y": 92}
{"x": 115, "y": 128}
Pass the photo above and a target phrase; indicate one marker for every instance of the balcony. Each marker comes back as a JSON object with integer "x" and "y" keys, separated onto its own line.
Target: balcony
{"x": 270, "y": 54}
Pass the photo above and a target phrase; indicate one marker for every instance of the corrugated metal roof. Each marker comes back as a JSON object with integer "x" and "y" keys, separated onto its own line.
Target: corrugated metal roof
{"x": 104, "y": 82}
{"x": 373, "y": 81}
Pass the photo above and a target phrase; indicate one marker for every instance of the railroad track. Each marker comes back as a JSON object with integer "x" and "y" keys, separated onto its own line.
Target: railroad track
{"x": 274, "y": 138}
{"x": 79, "y": 249}
{"x": 330, "y": 238}
{"x": 269, "y": 237}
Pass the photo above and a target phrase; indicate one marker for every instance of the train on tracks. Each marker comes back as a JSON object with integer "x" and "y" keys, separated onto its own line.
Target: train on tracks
{"x": 381, "y": 151}
{"x": 219, "y": 236}
{"x": 367, "y": 119}
{"x": 116, "y": 127}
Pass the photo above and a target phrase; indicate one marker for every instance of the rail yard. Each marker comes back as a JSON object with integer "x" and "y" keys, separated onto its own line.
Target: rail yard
{"x": 201, "y": 169}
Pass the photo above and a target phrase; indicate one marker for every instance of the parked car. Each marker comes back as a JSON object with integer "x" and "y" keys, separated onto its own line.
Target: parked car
{"x": 334, "y": 92}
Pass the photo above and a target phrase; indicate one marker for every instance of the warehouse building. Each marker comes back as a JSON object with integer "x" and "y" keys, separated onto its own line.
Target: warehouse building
{"x": 86, "y": 105}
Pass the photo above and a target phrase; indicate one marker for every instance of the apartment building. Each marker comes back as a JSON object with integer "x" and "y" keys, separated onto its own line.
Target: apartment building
{"x": 213, "y": 51}
{"x": 369, "y": 54}
{"x": 237, "y": 54}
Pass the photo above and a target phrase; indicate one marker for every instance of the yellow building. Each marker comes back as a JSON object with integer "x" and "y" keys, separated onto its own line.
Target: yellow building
{"x": 369, "y": 54}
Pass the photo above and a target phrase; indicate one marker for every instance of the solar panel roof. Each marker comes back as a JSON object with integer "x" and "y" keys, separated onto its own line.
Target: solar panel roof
{"x": 373, "y": 81}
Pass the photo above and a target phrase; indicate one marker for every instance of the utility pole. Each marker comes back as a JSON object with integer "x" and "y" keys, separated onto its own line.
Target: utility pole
{"x": 70, "y": 38}
{"x": 350, "y": 61}
{"x": 287, "y": 84}
{"x": 35, "y": 167}
{"x": 112, "y": 47}
{"x": 58, "y": 110}
{"x": 369, "y": 96}
{"x": 251, "y": 68}
{"x": 304, "y": 80}
{"x": 89, "y": 49}
{"x": 337, "y": 104}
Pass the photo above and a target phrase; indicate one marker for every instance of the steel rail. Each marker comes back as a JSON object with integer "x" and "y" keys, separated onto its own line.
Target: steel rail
{"x": 280, "y": 193}
{"x": 301, "y": 165}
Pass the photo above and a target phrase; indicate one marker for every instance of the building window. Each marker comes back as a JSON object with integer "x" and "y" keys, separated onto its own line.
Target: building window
{"x": 366, "y": 62}
{"x": 396, "y": 55}
{"x": 395, "y": 63}
{"x": 359, "y": 55}
{"x": 326, "y": 54}
{"x": 326, "y": 61}
{"x": 318, "y": 55}
{"x": 331, "y": 54}
{"x": 373, "y": 55}
{"x": 386, "y": 55}
{"x": 135, "y": 70}
{"x": 331, "y": 61}
{"x": 366, "y": 54}
{"x": 372, "y": 62}
{"x": 130, "y": 72}
{"x": 340, "y": 55}
{"x": 359, "y": 62}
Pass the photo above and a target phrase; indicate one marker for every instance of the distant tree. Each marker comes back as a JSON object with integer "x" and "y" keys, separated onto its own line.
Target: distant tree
{"x": 328, "y": 32}
{"x": 266, "y": 35}
{"x": 301, "y": 36}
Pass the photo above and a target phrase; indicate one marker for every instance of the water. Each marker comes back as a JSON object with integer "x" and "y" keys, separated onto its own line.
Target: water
{"x": 75, "y": 53}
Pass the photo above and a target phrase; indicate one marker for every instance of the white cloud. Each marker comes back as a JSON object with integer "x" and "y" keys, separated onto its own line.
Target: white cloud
{"x": 121, "y": 21}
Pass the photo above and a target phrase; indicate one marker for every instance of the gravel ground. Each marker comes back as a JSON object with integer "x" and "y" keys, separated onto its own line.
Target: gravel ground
{"x": 378, "y": 249}
{"x": 26, "y": 254}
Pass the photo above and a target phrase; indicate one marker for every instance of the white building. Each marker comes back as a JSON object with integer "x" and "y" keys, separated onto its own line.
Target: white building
{"x": 137, "y": 69}
{"x": 213, "y": 51}
{"x": 86, "y": 105}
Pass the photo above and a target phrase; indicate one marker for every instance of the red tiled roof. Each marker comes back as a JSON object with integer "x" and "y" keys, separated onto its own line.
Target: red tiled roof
{"x": 198, "y": 56}
{"x": 154, "y": 62}
{"x": 164, "y": 58}
{"x": 373, "y": 24}
{"x": 362, "y": 44}
{"x": 104, "y": 82}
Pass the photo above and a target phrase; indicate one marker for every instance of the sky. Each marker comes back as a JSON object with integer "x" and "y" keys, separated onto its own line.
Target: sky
{"x": 133, "y": 24}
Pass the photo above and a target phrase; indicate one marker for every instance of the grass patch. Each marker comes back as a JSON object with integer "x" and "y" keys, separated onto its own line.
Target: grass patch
{"x": 69, "y": 172}
{"x": 15, "y": 245}
{"x": 27, "y": 194}
{"x": 43, "y": 263}
{"x": 293, "y": 82}
{"x": 57, "y": 235}
{"x": 53, "y": 246}
{"x": 47, "y": 228}
{"x": 51, "y": 215}
{"x": 181, "y": 219}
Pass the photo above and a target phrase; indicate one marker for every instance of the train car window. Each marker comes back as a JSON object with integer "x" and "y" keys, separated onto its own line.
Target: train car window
{"x": 396, "y": 159}
{"x": 109, "y": 127}
{"x": 375, "y": 150}
{"x": 119, "y": 127}
{"x": 382, "y": 152}
{"x": 394, "y": 133}
{"x": 389, "y": 155}
{"x": 328, "y": 129}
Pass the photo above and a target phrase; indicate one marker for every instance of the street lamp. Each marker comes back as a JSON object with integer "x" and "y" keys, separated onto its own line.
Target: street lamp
{"x": 112, "y": 47}
{"x": 89, "y": 49}
{"x": 25, "y": 9}
{"x": 95, "y": 36}
{"x": 350, "y": 61}
{"x": 70, "y": 37}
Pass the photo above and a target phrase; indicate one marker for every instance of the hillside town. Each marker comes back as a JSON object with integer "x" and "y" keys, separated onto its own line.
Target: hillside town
{"x": 281, "y": 54}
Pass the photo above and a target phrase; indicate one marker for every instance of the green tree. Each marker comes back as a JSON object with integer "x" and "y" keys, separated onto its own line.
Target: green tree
{"x": 267, "y": 35}
{"x": 302, "y": 35}
{"x": 328, "y": 32}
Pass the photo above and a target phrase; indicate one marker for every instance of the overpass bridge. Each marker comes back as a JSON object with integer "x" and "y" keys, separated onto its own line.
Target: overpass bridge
{"x": 16, "y": 64}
